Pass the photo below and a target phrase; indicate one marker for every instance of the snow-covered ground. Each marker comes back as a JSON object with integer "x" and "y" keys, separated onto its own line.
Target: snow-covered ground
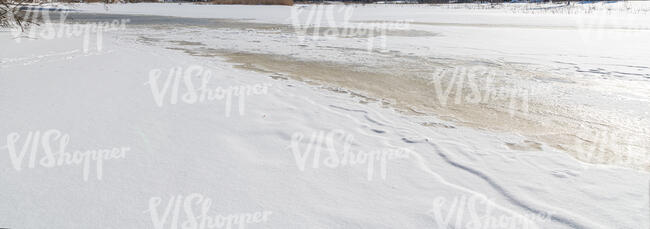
{"x": 461, "y": 116}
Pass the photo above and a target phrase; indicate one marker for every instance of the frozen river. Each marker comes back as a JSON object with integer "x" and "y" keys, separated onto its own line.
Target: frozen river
{"x": 330, "y": 116}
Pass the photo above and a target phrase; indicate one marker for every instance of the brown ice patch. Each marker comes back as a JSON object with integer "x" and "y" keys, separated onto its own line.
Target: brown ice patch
{"x": 405, "y": 87}
{"x": 527, "y": 145}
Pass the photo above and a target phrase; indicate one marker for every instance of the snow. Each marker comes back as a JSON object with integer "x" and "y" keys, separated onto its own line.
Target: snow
{"x": 245, "y": 155}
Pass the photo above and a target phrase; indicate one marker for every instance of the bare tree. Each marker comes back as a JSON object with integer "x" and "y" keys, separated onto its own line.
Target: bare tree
{"x": 17, "y": 14}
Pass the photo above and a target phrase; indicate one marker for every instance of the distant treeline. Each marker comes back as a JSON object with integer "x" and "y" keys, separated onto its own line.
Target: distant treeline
{"x": 439, "y": 1}
{"x": 231, "y": 2}
{"x": 290, "y": 2}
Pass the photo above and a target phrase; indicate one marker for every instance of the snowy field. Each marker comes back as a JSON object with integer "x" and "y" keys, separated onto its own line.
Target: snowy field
{"x": 328, "y": 116}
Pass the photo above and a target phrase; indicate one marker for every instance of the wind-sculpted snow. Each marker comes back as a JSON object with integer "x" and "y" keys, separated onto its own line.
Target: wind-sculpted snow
{"x": 509, "y": 196}
{"x": 559, "y": 103}
{"x": 468, "y": 118}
